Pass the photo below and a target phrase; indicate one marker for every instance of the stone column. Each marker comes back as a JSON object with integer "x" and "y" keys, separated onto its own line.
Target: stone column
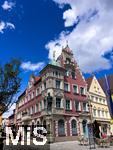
{"x": 50, "y": 135}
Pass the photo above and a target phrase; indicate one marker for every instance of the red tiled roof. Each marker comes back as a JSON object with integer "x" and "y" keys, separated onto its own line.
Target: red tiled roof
{"x": 37, "y": 78}
{"x": 89, "y": 80}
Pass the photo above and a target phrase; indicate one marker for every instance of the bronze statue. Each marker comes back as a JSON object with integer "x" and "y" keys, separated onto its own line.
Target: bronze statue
{"x": 49, "y": 102}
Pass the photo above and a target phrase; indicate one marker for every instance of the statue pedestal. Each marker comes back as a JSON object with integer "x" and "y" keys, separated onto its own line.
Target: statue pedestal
{"x": 50, "y": 132}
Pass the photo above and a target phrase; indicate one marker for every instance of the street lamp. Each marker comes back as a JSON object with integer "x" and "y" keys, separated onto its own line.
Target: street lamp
{"x": 90, "y": 127}
{"x": 90, "y": 110}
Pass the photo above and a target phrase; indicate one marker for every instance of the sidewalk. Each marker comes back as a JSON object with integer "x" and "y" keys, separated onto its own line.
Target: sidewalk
{"x": 73, "y": 145}
{"x": 68, "y": 145}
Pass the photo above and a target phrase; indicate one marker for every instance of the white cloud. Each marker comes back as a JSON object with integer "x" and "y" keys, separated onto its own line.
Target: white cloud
{"x": 5, "y": 25}
{"x": 10, "y": 111}
{"x": 8, "y": 5}
{"x": 28, "y": 66}
{"x": 2, "y": 26}
{"x": 92, "y": 37}
{"x": 10, "y": 25}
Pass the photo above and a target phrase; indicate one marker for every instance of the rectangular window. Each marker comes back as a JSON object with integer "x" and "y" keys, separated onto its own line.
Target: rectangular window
{"x": 45, "y": 105}
{"x": 77, "y": 106}
{"x": 67, "y": 104}
{"x": 73, "y": 74}
{"x": 37, "y": 92}
{"x": 96, "y": 99}
{"x": 99, "y": 113}
{"x": 58, "y": 102}
{"x": 100, "y": 100}
{"x": 75, "y": 89}
{"x": 102, "y": 113}
{"x": 66, "y": 87}
{"x": 57, "y": 84}
{"x": 40, "y": 106}
{"x": 82, "y": 90}
{"x": 36, "y": 108}
{"x": 92, "y": 98}
{"x": 94, "y": 112}
{"x": 85, "y": 108}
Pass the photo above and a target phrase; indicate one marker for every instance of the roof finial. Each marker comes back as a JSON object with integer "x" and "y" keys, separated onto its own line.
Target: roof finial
{"x": 66, "y": 42}
{"x": 54, "y": 54}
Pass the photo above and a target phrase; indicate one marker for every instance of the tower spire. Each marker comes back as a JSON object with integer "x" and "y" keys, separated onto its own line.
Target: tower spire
{"x": 67, "y": 43}
{"x": 54, "y": 54}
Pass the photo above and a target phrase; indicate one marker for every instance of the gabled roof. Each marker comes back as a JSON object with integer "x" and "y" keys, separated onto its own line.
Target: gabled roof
{"x": 67, "y": 49}
{"x": 110, "y": 80}
{"x": 89, "y": 81}
{"x": 37, "y": 78}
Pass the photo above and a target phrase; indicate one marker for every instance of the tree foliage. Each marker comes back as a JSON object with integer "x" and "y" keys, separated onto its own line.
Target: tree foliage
{"x": 9, "y": 83}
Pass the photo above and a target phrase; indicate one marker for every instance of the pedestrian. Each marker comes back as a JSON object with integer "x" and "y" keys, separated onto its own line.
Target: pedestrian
{"x": 104, "y": 135}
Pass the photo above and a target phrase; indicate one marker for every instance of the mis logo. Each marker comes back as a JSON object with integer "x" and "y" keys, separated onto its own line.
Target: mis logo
{"x": 21, "y": 132}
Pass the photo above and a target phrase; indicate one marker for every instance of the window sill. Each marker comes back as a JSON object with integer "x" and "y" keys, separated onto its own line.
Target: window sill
{"x": 67, "y": 91}
{"x": 68, "y": 109}
{"x": 61, "y": 135}
{"x": 76, "y": 134}
{"x": 75, "y": 93}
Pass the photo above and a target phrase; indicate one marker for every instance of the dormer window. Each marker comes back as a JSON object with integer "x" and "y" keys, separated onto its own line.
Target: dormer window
{"x": 73, "y": 74}
{"x": 68, "y": 61}
{"x": 67, "y": 73}
{"x": 29, "y": 84}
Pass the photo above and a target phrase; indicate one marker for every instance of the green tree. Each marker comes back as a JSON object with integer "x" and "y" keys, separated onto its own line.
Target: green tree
{"x": 10, "y": 82}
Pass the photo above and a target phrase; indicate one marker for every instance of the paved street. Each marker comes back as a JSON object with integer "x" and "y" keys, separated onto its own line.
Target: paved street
{"x": 72, "y": 145}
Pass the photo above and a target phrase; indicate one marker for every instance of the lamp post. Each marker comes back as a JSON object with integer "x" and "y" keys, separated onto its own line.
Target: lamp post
{"x": 90, "y": 110}
{"x": 90, "y": 127}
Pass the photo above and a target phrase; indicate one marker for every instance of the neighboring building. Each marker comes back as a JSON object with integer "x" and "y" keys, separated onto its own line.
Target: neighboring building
{"x": 5, "y": 122}
{"x": 11, "y": 119}
{"x": 57, "y": 99}
{"x": 98, "y": 104}
{"x": 102, "y": 83}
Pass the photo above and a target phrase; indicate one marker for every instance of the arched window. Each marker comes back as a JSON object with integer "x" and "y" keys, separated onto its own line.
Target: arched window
{"x": 74, "y": 127}
{"x": 85, "y": 129}
{"x": 61, "y": 128}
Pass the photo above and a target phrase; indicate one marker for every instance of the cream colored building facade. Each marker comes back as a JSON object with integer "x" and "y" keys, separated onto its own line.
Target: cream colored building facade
{"x": 99, "y": 107}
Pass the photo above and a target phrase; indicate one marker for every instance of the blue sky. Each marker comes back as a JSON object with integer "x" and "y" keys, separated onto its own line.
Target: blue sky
{"x": 32, "y": 30}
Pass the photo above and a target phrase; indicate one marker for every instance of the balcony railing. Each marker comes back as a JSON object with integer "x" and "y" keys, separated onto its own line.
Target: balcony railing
{"x": 26, "y": 116}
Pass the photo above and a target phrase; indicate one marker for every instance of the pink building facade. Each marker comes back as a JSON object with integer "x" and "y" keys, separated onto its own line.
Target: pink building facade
{"x": 56, "y": 99}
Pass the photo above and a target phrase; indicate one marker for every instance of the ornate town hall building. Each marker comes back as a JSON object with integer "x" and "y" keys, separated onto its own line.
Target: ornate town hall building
{"x": 57, "y": 99}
